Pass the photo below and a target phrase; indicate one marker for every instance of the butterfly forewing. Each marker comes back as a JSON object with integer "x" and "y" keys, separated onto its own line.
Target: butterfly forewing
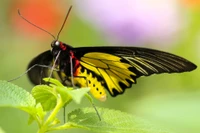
{"x": 146, "y": 61}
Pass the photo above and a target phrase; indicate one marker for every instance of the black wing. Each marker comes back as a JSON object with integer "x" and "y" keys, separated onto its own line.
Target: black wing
{"x": 41, "y": 67}
{"x": 120, "y": 66}
{"x": 38, "y": 72}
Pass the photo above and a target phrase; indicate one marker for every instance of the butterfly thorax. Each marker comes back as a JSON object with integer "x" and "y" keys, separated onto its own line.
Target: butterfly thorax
{"x": 63, "y": 57}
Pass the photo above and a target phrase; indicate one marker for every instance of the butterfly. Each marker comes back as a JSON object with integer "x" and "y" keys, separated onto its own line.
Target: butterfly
{"x": 103, "y": 68}
{"x": 100, "y": 68}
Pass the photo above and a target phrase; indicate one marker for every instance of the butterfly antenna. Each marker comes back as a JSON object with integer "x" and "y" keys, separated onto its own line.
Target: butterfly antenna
{"x": 70, "y": 8}
{"x": 35, "y": 25}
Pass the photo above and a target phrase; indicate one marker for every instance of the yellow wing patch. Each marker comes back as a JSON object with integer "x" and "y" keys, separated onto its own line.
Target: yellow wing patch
{"x": 87, "y": 79}
{"x": 114, "y": 72}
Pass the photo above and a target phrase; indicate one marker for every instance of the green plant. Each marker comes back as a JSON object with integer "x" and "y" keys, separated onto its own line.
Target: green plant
{"x": 45, "y": 101}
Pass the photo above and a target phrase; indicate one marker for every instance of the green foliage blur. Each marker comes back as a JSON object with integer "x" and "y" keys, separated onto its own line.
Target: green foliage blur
{"x": 170, "y": 101}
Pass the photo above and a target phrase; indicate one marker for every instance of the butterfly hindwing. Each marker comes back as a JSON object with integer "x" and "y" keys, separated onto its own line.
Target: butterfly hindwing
{"x": 88, "y": 78}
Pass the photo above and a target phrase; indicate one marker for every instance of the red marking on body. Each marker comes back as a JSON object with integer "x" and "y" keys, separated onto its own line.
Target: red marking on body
{"x": 76, "y": 65}
{"x": 77, "y": 71}
{"x": 62, "y": 46}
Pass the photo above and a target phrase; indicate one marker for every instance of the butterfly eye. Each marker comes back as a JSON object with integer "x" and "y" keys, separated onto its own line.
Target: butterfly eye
{"x": 57, "y": 43}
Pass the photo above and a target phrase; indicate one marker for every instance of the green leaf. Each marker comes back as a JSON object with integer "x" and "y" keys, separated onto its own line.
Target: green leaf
{"x": 112, "y": 121}
{"x": 13, "y": 96}
{"x": 75, "y": 94}
{"x": 67, "y": 93}
{"x": 46, "y": 96}
{"x": 78, "y": 94}
{"x": 59, "y": 89}
{"x": 63, "y": 93}
{"x": 53, "y": 81}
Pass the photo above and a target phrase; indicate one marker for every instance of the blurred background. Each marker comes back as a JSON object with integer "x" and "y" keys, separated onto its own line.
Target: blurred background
{"x": 169, "y": 101}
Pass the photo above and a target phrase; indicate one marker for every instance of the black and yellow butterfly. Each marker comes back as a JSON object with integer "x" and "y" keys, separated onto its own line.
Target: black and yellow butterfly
{"x": 100, "y": 68}
{"x": 111, "y": 68}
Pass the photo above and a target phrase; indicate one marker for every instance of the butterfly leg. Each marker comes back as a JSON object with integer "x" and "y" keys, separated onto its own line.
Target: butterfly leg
{"x": 71, "y": 70}
{"x": 29, "y": 69}
{"x": 72, "y": 82}
{"x": 85, "y": 78}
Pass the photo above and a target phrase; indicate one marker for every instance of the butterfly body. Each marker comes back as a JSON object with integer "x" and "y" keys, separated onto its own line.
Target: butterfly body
{"x": 100, "y": 68}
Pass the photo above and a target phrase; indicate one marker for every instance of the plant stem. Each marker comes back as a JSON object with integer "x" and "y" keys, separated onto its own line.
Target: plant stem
{"x": 64, "y": 127}
{"x": 51, "y": 117}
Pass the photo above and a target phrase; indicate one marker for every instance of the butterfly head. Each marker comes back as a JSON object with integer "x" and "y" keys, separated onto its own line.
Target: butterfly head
{"x": 58, "y": 45}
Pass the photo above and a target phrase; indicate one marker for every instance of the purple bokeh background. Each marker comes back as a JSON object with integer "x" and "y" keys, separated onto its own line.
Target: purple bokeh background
{"x": 133, "y": 22}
